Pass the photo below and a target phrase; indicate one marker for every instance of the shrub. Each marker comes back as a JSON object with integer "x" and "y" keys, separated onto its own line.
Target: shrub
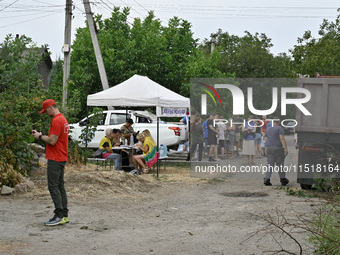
{"x": 325, "y": 230}
{"x": 77, "y": 155}
{"x": 17, "y": 115}
{"x": 8, "y": 176}
{"x": 325, "y": 225}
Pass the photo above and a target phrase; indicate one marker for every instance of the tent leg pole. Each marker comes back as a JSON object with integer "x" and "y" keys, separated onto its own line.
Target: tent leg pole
{"x": 157, "y": 144}
{"x": 87, "y": 116}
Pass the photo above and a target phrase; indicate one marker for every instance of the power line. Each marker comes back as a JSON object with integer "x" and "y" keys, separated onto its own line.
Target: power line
{"x": 146, "y": 10}
{"x": 106, "y": 5}
{"x": 82, "y": 11}
{"x": 9, "y": 5}
{"x": 200, "y": 7}
{"x": 31, "y": 11}
{"x": 140, "y": 5}
{"x": 133, "y": 9}
{"x": 23, "y": 6}
{"x": 34, "y": 8}
{"x": 19, "y": 16}
{"x": 111, "y": 9}
{"x": 28, "y": 20}
{"x": 102, "y": 9}
{"x": 263, "y": 17}
{"x": 42, "y": 2}
{"x": 217, "y": 10}
{"x": 233, "y": 14}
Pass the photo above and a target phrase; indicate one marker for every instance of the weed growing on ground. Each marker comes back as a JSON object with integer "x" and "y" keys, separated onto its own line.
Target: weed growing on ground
{"x": 324, "y": 225}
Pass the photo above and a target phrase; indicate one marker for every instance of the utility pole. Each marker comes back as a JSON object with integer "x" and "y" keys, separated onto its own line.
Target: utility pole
{"x": 96, "y": 47}
{"x": 213, "y": 42}
{"x": 67, "y": 50}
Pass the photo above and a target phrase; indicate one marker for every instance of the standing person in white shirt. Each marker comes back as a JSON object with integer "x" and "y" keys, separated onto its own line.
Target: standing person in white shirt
{"x": 221, "y": 127}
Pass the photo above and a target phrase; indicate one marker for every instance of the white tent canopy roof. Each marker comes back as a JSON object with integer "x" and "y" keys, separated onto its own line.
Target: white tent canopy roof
{"x": 138, "y": 91}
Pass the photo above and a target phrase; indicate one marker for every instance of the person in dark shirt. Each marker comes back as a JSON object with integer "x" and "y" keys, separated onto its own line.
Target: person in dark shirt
{"x": 127, "y": 130}
{"x": 276, "y": 152}
{"x": 106, "y": 146}
{"x": 257, "y": 139}
{"x": 197, "y": 139}
{"x": 212, "y": 138}
{"x": 205, "y": 135}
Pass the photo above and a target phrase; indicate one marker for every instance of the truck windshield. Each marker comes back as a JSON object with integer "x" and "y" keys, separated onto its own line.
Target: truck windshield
{"x": 87, "y": 120}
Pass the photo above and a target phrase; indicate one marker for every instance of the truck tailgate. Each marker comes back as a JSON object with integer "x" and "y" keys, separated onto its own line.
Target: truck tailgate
{"x": 324, "y": 106}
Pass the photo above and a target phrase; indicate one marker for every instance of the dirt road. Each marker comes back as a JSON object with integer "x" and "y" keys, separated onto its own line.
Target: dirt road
{"x": 115, "y": 213}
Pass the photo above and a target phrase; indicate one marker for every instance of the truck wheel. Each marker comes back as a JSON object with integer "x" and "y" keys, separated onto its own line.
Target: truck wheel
{"x": 305, "y": 186}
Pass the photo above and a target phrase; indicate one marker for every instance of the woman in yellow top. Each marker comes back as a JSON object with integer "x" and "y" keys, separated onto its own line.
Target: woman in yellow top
{"x": 147, "y": 147}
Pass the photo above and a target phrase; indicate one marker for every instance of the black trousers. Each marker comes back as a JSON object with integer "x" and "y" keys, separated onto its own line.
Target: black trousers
{"x": 275, "y": 158}
{"x": 193, "y": 151}
{"x": 55, "y": 179}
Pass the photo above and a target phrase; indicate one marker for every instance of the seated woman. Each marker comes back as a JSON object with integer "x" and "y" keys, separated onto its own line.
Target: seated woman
{"x": 106, "y": 145}
{"x": 147, "y": 133}
{"x": 147, "y": 147}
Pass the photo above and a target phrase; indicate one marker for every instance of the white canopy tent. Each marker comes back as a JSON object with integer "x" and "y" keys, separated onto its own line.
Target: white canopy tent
{"x": 138, "y": 91}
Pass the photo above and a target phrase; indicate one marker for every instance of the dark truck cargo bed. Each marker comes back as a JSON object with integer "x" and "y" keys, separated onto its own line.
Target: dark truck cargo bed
{"x": 319, "y": 134}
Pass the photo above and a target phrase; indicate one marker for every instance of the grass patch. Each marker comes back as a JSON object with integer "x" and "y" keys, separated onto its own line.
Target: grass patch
{"x": 298, "y": 192}
{"x": 178, "y": 164}
{"x": 161, "y": 177}
{"x": 214, "y": 180}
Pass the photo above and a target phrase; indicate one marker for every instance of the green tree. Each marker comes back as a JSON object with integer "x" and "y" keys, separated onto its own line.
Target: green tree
{"x": 145, "y": 47}
{"x": 248, "y": 56}
{"x": 204, "y": 68}
{"x": 20, "y": 103}
{"x": 17, "y": 116}
{"x": 320, "y": 55}
{"x": 19, "y": 60}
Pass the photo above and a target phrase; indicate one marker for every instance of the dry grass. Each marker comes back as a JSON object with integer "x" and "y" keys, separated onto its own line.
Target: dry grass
{"x": 90, "y": 181}
{"x": 171, "y": 174}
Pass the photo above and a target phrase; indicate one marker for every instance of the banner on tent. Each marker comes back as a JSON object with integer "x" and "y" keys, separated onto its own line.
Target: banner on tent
{"x": 171, "y": 111}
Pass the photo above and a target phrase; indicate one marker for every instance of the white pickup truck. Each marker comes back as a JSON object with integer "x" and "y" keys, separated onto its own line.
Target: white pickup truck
{"x": 170, "y": 134}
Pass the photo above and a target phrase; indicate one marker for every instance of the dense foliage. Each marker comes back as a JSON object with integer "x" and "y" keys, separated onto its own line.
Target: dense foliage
{"x": 20, "y": 103}
{"x": 146, "y": 47}
{"x": 19, "y": 60}
{"x": 321, "y": 54}
{"x": 248, "y": 56}
{"x": 249, "y": 59}
{"x": 17, "y": 116}
{"x": 167, "y": 54}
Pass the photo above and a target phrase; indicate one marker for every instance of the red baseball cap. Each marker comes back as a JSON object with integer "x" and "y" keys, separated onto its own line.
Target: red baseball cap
{"x": 47, "y": 103}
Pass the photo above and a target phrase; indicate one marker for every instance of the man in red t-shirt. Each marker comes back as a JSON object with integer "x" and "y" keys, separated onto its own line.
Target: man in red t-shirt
{"x": 265, "y": 123}
{"x": 56, "y": 154}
